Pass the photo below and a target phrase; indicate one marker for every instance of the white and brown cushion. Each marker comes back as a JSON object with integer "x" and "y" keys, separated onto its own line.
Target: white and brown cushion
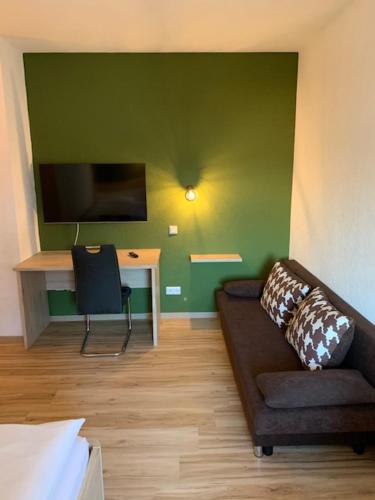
{"x": 320, "y": 333}
{"x": 282, "y": 293}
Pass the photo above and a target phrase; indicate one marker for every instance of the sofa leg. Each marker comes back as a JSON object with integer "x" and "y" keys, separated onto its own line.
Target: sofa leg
{"x": 359, "y": 449}
{"x": 268, "y": 450}
{"x": 258, "y": 451}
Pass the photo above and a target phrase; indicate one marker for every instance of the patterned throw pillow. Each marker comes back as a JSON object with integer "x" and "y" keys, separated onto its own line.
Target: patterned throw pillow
{"x": 282, "y": 293}
{"x": 319, "y": 333}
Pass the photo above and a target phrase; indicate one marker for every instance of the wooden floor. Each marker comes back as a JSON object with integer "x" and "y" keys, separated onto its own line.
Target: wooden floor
{"x": 169, "y": 418}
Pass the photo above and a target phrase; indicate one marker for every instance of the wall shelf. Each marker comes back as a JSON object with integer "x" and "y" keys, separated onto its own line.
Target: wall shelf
{"x": 215, "y": 257}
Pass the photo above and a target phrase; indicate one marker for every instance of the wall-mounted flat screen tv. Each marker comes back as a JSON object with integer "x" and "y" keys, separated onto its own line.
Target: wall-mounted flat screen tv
{"x": 93, "y": 192}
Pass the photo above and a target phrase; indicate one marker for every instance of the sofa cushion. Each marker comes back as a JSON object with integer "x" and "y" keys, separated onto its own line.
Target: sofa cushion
{"x": 282, "y": 293}
{"x": 244, "y": 288}
{"x": 361, "y": 354}
{"x": 299, "y": 389}
{"x": 248, "y": 328}
{"x": 320, "y": 333}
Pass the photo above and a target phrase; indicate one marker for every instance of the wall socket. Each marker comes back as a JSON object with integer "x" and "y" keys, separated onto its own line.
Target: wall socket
{"x": 173, "y": 290}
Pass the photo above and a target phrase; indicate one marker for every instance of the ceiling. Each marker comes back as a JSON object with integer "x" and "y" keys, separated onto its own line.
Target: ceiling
{"x": 163, "y": 25}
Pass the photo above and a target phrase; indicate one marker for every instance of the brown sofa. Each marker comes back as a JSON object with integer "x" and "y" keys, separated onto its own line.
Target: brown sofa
{"x": 256, "y": 346}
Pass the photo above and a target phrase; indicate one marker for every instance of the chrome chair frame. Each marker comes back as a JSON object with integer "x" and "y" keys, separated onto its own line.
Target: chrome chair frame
{"x": 106, "y": 354}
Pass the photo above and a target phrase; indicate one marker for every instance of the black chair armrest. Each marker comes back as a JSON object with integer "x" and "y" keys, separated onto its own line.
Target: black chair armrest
{"x": 301, "y": 389}
{"x": 245, "y": 288}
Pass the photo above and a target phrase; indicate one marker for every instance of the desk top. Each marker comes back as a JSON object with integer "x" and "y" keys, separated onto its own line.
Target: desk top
{"x": 61, "y": 260}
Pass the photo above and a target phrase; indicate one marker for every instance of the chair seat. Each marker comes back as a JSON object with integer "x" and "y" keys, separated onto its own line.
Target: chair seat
{"x": 126, "y": 292}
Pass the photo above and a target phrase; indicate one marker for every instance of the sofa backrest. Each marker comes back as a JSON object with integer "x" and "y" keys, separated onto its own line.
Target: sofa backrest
{"x": 361, "y": 355}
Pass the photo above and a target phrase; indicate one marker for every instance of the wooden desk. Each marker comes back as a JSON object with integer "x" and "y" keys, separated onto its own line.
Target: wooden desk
{"x": 33, "y": 289}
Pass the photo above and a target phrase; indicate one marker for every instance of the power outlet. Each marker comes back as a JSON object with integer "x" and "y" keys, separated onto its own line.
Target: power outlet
{"x": 173, "y": 290}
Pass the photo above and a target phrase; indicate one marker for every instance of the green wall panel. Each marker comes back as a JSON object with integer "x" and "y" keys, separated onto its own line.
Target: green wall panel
{"x": 62, "y": 302}
{"x": 222, "y": 122}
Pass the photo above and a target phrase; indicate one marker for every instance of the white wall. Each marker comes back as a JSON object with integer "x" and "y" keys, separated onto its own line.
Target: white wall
{"x": 333, "y": 201}
{"x": 18, "y": 228}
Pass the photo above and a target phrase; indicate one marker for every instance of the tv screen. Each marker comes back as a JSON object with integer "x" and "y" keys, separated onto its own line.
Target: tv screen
{"x": 93, "y": 192}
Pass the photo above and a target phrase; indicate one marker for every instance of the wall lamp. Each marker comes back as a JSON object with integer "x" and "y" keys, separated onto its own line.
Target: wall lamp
{"x": 190, "y": 193}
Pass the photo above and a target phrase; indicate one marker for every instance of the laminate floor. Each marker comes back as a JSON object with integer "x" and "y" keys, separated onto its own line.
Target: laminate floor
{"x": 169, "y": 418}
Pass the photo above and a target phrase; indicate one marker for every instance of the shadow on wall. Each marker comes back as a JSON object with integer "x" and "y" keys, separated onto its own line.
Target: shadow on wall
{"x": 262, "y": 274}
{"x": 301, "y": 215}
{"x": 26, "y": 189}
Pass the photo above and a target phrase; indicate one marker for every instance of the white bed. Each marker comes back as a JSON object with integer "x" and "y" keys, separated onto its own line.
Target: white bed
{"x": 49, "y": 462}
{"x": 71, "y": 478}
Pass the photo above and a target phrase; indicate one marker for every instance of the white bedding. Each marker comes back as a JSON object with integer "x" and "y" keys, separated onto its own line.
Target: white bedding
{"x": 69, "y": 483}
{"x": 33, "y": 457}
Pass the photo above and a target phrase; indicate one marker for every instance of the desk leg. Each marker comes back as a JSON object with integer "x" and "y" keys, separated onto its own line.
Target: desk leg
{"x": 33, "y": 293}
{"x": 155, "y": 295}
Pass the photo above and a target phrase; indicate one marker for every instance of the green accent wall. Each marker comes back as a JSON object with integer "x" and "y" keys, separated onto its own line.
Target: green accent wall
{"x": 222, "y": 122}
{"x": 63, "y": 302}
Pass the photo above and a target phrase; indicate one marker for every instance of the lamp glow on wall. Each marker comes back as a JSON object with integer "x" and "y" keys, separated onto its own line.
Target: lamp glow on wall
{"x": 190, "y": 193}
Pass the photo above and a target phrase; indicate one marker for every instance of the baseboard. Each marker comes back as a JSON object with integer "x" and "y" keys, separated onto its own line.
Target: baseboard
{"x": 101, "y": 317}
{"x": 189, "y": 315}
{"x": 107, "y": 317}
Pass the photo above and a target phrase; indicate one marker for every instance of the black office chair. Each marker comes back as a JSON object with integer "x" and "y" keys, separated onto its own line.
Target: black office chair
{"x": 99, "y": 290}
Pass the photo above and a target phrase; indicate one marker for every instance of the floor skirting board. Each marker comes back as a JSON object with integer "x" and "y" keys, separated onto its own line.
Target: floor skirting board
{"x": 106, "y": 317}
{"x": 189, "y": 315}
{"x": 101, "y": 317}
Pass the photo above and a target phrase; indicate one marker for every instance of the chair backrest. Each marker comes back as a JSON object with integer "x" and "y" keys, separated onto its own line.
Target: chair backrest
{"x": 97, "y": 277}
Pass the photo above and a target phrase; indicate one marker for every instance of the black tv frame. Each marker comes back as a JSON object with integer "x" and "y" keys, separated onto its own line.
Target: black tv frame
{"x": 72, "y": 164}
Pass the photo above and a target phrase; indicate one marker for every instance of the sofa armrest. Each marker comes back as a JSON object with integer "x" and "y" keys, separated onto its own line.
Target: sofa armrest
{"x": 245, "y": 288}
{"x": 301, "y": 389}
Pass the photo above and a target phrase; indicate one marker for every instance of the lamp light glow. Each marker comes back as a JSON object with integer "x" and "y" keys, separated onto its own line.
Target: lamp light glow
{"x": 190, "y": 194}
